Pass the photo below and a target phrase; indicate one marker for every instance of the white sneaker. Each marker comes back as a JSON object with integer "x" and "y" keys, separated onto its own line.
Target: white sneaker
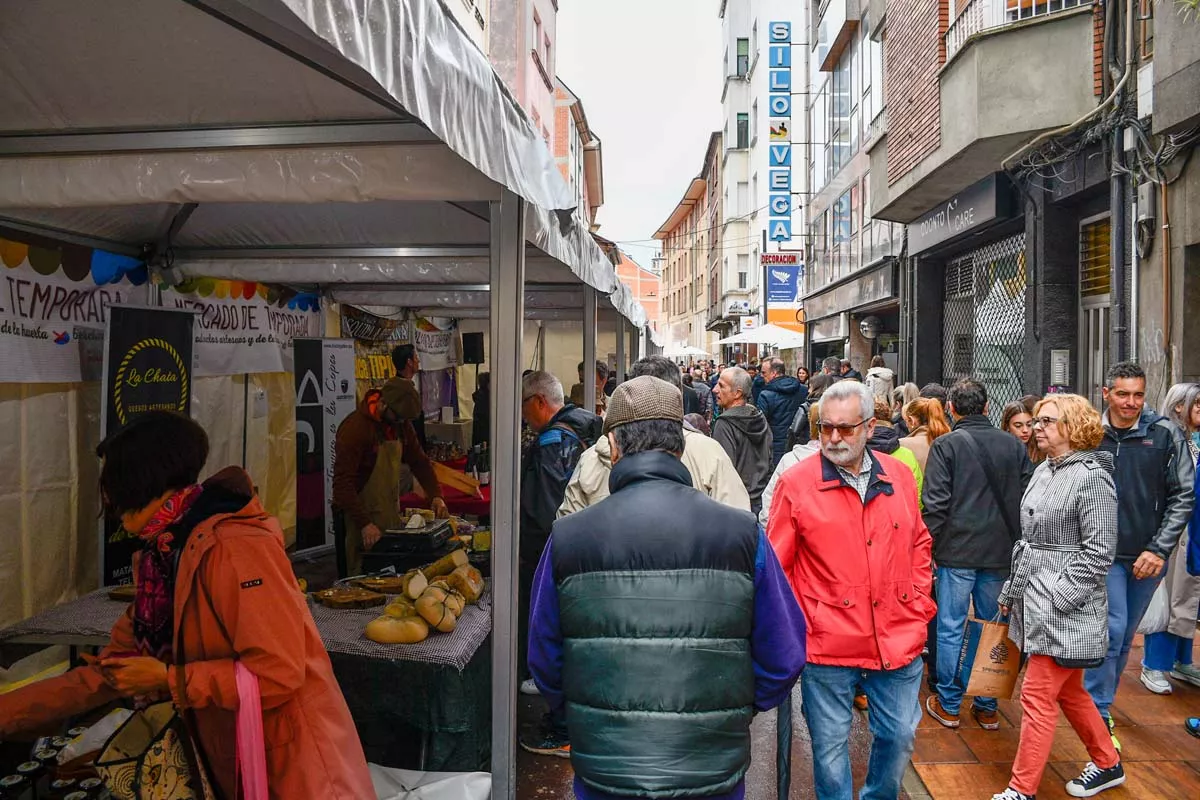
{"x": 1012, "y": 794}
{"x": 1156, "y": 681}
{"x": 529, "y": 687}
{"x": 1186, "y": 673}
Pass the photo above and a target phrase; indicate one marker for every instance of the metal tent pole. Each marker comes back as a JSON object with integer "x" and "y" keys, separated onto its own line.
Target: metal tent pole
{"x": 589, "y": 348}
{"x": 622, "y": 335}
{"x": 507, "y": 313}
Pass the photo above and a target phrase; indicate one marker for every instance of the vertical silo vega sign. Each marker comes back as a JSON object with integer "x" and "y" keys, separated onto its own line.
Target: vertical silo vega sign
{"x": 779, "y": 176}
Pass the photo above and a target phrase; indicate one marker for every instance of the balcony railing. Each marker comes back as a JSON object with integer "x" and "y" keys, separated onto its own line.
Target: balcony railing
{"x": 981, "y": 15}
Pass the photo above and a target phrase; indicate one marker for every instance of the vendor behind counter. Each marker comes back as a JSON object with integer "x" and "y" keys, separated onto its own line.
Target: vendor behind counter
{"x": 371, "y": 445}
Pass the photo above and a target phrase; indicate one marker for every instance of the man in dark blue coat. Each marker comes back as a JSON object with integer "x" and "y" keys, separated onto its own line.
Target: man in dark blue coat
{"x": 779, "y": 400}
{"x": 563, "y": 431}
{"x": 651, "y": 685}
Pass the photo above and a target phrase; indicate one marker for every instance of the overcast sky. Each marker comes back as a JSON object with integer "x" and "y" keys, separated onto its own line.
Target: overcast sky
{"x": 649, "y": 75}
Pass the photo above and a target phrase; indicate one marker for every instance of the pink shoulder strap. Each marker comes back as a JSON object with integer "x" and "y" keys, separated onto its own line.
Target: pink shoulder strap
{"x": 251, "y": 746}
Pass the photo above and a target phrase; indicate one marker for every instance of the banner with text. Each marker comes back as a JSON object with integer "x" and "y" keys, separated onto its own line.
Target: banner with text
{"x": 325, "y": 396}
{"x": 54, "y": 304}
{"x": 436, "y": 341}
{"x": 244, "y": 327}
{"x": 147, "y": 367}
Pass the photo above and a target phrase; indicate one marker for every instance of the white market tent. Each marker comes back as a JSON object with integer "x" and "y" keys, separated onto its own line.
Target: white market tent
{"x": 366, "y": 150}
{"x": 780, "y": 337}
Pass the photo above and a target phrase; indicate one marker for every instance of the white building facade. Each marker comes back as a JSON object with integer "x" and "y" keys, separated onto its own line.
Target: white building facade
{"x": 764, "y": 184}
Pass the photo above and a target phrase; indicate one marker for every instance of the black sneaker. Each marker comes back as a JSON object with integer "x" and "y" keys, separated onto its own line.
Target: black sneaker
{"x": 547, "y": 740}
{"x": 1094, "y": 780}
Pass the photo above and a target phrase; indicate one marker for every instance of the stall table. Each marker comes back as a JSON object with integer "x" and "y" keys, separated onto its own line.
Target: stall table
{"x": 440, "y": 688}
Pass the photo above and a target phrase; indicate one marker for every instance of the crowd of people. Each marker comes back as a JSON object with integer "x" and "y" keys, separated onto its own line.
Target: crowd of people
{"x": 881, "y": 518}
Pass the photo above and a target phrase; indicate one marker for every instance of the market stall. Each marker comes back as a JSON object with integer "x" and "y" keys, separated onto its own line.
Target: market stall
{"x": 355, "y": 152}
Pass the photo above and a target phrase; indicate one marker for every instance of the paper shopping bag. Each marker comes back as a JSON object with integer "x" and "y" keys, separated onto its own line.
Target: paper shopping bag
{"x": 997, "y": 663}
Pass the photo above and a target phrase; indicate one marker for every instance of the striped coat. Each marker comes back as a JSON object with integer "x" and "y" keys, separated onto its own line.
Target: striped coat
{"x": 1068, "y": 540}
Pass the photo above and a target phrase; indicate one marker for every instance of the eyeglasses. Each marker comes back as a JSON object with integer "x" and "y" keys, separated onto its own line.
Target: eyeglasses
{"x": 827, "y": 428}
{"x": 1044, "y": 422}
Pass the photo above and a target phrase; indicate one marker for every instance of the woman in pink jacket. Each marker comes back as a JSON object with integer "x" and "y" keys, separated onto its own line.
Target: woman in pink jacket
{"x": 214, "y": 587}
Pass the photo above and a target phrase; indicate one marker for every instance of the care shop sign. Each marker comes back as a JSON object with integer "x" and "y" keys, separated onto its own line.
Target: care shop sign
{"x": 147, "y": 367}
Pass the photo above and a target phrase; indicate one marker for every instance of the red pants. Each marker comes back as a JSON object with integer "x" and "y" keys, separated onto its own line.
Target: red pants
{"x": 1048, "y": 687}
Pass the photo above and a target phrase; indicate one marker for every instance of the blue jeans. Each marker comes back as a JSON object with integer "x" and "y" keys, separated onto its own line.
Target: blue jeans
{"x": 1165, "y": 650}
{"x": 828, "y": 698}
{"x": 1128, "y": 599}
{"x": 956, "y": 588}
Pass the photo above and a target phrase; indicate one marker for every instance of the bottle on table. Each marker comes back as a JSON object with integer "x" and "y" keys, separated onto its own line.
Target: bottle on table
{"x": 485, "y": 470}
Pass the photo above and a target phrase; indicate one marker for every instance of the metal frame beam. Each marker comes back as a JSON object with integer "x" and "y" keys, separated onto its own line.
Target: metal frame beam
{"x": 48, "y": 232}
{"x": 223, "y": 138}
{"x": 453, "y": 287}
{"x": 299, "y": 253}
{"x": 507, "y": 330}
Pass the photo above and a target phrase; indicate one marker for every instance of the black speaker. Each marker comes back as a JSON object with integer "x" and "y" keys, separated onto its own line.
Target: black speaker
{"x": 472, "y": 346}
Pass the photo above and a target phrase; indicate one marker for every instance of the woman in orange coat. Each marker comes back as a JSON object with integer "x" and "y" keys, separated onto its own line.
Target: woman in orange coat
{"x": 214, "y": 586}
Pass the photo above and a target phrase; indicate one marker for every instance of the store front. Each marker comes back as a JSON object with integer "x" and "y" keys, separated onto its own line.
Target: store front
{"x": 856, "y": 319}
{"x": 971, "y": 290}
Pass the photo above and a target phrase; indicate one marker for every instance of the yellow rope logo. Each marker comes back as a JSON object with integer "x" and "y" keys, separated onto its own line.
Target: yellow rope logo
{"x": 131, "y": 377}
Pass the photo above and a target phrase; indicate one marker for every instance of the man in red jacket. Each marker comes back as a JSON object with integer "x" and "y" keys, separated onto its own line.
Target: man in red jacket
{"x": 851, "y": 540}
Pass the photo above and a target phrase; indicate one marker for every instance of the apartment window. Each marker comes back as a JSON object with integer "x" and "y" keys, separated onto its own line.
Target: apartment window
{"x": 743, "y": 57}
{"x": 1095, "y": 264}
{"x": 742, "y": 280}
{"x": 743, "y": 131}
{"x": 743, "y": 265}
{"x": 818, "y": 126}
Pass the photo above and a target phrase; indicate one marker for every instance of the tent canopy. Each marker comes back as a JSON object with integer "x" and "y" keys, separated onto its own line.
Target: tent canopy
{"x": 316, "y": 143}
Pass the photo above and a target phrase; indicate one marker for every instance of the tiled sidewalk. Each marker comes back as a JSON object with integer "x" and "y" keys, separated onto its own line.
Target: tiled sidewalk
{"x": 1161, "y": 759}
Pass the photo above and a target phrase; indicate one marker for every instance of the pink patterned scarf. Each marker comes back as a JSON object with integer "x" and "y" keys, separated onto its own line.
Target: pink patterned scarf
{"x": 154, "y": 607}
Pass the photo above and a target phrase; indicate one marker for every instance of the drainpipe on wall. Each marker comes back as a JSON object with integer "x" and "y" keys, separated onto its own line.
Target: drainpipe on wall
{"x": 1120, "y": 329}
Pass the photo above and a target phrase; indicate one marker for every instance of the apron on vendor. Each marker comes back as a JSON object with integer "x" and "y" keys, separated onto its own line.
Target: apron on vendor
{"x": 371, "y": 446}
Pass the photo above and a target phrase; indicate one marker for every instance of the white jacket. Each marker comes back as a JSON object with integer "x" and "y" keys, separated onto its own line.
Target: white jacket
{"x": 881, "y": 381}
{"x": 712, "y": 473}
{"x": 789, "y": 460}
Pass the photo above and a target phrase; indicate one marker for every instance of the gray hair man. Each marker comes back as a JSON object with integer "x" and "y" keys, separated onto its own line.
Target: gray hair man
{"x": 851, "y": 539}
{"x": 711, "y": 470}
{"x": 828, "y": 376}
{"x": 744, "y": 433}
{"x": 563, "y": 433}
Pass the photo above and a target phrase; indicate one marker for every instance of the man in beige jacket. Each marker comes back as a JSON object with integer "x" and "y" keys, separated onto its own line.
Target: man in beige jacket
{"x": 711, "y": 469}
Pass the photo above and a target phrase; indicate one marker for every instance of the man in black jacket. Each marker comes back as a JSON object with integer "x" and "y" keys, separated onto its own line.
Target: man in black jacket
{"x": 744, "y": 433}
{"x": 779, "y": 401}
{"x": 974, "y": 481}
{"x": 1155, "y": 477}
{"x": 563, "y": 431}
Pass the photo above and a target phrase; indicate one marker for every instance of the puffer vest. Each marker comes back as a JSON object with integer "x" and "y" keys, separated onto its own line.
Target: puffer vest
{"x": 656, "y": 603}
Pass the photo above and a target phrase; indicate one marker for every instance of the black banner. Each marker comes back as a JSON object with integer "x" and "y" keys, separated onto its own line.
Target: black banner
{"x": 310, "y": 443}
{"x": 147, "y": 367}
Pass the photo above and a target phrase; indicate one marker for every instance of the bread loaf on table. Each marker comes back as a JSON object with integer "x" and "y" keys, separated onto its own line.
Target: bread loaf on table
{"x": 408, "y": 629}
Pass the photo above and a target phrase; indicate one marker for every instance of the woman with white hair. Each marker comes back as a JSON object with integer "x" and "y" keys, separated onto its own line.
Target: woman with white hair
{"x": 1169, "y": 651}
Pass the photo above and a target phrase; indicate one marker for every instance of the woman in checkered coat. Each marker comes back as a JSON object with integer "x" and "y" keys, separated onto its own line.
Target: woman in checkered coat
{"x": 1057, "y": 596}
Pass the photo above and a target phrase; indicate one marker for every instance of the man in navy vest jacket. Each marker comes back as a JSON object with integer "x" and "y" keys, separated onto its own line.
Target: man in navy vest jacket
{"x": 661, "y": 621}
